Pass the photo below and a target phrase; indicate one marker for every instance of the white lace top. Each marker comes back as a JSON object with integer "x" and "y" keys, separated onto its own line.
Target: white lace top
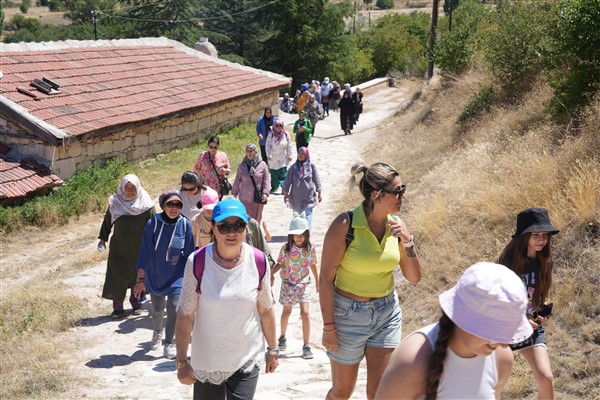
{"x": 227, "y": 335}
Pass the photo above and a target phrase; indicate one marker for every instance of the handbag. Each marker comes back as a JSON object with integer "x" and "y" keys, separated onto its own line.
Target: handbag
{"x": 225, "y": 185}
{"x": 257, "y": 193}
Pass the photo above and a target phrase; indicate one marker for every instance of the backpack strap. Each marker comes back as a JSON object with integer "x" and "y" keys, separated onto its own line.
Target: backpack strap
{"x": 200, "y": 258}
{"x": 261, "y": 265}
{"x": 350, "y": 233}
{"x": 199, "y": 261}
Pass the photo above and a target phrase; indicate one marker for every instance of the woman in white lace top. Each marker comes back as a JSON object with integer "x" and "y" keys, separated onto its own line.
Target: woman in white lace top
{"x": 226, "y": 298}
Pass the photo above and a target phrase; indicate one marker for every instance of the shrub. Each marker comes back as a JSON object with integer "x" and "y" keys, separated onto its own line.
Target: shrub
{"x": 385, "y": 4}
{"x": 455, "y": 50}
{"x": 24, "y": 7}
{"x": 479, "y": 103}
{"x": 513, "y": 43}
{"x": 574, "y": 53}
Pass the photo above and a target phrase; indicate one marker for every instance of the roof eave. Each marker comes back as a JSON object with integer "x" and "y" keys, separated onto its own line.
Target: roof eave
{"x": 36, "y": 126}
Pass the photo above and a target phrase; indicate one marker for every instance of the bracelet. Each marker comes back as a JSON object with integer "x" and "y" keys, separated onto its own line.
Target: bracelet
{"x": 141, "y": 281}
{"x": 331, "y": 330}
{"x": 181, "y": 363}
{"x": 328, "y": 323}
{"x": 410, "y": 243}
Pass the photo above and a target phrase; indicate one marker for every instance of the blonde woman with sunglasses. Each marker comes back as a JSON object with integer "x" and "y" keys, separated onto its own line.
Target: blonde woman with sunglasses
{"x": 362, "y": 317}
{"x": 228, "y": 307}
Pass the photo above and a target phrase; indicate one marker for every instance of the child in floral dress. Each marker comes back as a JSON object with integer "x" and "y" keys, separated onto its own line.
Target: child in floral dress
{"x": 296, "y": 259}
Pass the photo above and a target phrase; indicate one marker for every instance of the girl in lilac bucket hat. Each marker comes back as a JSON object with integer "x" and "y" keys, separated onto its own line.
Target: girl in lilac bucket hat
{"x": 465, "y": 354}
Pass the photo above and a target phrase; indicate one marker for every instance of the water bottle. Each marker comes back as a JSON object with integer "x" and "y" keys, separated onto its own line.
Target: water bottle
{"x": 287, "y": 204}
{"x": 101, "y": 248}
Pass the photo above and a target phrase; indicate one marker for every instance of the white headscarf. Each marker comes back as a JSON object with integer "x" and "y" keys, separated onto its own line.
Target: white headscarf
{"x": 118, "y": 204}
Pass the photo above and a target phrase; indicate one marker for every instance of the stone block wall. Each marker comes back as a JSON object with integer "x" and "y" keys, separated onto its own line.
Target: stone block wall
{"x": 144, "y": 141}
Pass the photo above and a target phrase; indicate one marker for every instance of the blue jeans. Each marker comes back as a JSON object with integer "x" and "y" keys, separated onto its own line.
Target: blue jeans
{"x": 239, "y": 386}
{"x": 158, "y": 312}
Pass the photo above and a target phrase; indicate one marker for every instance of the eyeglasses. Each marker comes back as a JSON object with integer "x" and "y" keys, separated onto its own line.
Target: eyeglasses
{"x": 213, "y": 147}
{"x": 398, "y": 192}
{"x": 237, "y": 227}
{"x": 171, "y": 204}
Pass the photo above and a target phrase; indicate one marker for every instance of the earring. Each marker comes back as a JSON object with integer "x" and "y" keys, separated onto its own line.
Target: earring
{"x": 378, "y": 200}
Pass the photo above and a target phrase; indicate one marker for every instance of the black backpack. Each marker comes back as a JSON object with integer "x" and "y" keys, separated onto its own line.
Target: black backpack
{"x": 350, "y": 234}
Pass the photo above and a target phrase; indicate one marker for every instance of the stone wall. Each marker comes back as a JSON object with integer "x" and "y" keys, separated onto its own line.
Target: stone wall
{"x": 144, "y": 141}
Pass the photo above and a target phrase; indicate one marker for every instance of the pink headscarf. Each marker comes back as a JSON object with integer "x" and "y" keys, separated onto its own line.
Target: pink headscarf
{"x": 303, "y": 167}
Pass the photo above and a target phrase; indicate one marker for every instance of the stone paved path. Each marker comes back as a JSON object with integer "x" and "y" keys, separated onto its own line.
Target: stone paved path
{"x": 115, "y": 356}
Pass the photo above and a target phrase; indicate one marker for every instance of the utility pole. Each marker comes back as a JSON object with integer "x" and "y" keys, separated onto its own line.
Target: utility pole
{"x": 94, "y": 21}
{"x": 434, "y": 18}
{"x": 354, "y": 21}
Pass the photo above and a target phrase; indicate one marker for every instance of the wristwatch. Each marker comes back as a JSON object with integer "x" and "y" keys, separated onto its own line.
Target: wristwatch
{"x": 410, "y": 243}
{"x": 273, "y": 352}
{"x": 181, "y": 363}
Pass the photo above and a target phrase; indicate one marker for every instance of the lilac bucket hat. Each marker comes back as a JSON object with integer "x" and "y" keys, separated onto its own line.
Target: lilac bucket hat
{"x": 489, "y": 301}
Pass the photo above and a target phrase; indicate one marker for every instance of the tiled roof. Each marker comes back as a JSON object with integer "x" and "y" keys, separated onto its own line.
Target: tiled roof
{"x": 107, "y": 83}
{"x": 19, "y": 179}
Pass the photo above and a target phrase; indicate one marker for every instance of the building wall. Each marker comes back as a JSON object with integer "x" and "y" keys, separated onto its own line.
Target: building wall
{"x": 140, "y": 142}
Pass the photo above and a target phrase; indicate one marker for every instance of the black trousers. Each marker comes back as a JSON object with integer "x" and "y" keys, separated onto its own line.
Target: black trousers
{"x": 239, "y": 386}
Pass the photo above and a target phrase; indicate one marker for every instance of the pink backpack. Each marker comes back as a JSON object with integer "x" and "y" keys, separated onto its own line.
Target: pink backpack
{"x": 199, "y": 259}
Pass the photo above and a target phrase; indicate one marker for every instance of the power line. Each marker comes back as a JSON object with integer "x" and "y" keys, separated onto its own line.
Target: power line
{"x": 193, "y": 19}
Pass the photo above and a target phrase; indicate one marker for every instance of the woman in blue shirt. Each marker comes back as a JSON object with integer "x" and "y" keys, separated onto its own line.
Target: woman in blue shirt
{"x": 166, "y": 244}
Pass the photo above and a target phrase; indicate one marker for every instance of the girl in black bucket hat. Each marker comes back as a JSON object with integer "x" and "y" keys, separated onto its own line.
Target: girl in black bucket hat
{"x": 528, "y": 255}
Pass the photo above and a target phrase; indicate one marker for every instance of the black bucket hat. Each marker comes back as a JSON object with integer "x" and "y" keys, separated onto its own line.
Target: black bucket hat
{"x": 534, "y": 220}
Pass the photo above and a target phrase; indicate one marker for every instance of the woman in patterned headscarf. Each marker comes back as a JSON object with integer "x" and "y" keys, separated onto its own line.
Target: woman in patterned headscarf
{"x": 128, "y": 210}
{"x": 252, "y": 176}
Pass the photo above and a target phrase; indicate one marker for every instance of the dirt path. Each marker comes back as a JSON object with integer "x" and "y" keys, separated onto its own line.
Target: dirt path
{"x": 115, "y": 356}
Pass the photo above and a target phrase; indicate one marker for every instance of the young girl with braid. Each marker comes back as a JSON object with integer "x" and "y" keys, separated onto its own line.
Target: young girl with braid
{"x": 464, "y": 355}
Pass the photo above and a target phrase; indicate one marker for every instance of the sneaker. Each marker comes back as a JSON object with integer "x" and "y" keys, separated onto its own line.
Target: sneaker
{"x": 156, "y": 341}
{"x": 137, "y": 311}
{"x": 282, "y": 343}
{"x": 306, "y": 353}
{"x": 117, "y": 314}
{"x": 170, "y": 351}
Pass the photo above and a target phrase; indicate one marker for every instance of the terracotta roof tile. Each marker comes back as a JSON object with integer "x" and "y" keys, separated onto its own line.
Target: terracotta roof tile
{"x": 23, "y": 178}
{"x": 123, "y": 84}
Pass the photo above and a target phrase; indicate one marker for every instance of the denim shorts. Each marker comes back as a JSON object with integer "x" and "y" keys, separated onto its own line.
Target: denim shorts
{"x": 537, "y": 339}
{"x": 375, "y": 323}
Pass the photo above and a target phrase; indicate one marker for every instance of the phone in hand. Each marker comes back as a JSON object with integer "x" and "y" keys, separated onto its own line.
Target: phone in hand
{"x": 543, "y": 311}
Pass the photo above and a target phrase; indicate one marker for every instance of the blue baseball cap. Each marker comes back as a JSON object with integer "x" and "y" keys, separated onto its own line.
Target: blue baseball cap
{"x": 229, "y": 208}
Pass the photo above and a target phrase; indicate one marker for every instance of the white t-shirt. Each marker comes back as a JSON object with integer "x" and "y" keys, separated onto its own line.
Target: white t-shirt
{"x": 227, "y": 333}
{"x": 464, "y": 378}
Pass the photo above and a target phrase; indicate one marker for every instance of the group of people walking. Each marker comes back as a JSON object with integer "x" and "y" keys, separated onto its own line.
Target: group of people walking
{"x": 206, "y": 260}
{"x": 316, "y": 100}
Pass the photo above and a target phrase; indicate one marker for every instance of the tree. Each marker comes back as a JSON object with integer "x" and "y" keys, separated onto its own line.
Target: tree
{"x": 175, "y": 19}
{"x": 24, "y": 6}
{"x": 307, "y": 39}
{"x": 81, "y": 10}
{"x": 235, "y": 29}
{"x": 385, "y": 4}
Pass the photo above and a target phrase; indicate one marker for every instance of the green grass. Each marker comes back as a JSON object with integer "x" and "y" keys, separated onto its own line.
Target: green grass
{"x": 88, "y": 190}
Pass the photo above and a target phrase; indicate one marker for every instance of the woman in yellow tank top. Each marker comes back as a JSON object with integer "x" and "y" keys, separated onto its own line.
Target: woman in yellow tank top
{"x": 361, "y": 313}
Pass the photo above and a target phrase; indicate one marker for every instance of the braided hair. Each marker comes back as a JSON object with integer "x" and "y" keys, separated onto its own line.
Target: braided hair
{"x": 374, "y": 179}
{"x": 436, "y": 365}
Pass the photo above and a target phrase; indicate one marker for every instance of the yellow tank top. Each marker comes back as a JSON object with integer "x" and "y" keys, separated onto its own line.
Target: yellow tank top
{"x": 367, "y": 266}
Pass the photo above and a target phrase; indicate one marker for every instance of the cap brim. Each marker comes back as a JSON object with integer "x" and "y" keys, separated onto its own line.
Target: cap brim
{"x": 481, "y": 325}
{"x": 168, "y": 199}
{"x": 538, "y": 228}
{"x": 297, "y": 231}
{"x": 209, "y": 206}
{"x": 223, "y": 217}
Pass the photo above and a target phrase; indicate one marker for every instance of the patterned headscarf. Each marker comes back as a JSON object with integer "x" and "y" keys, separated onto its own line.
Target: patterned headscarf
{"x": 252, "y": 164}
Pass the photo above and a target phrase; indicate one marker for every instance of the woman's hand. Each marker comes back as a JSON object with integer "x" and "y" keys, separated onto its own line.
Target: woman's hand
{"x": 138, "y": 289}
{"x": 264, "y": 197}
{"x": 186, "y": 375}
{"x": 330, "y": 340}
{"x": 319, "y": 197}
{"x": 272, "y": 362}
{"x": 260, "y": 136}
{"x": 398, "y": 229}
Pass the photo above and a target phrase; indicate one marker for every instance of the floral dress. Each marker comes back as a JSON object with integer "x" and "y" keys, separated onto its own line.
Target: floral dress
{"x": 206, "y": 172}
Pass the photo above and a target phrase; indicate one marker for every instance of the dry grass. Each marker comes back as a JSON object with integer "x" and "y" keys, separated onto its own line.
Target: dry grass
{"x": 466, "y": 185}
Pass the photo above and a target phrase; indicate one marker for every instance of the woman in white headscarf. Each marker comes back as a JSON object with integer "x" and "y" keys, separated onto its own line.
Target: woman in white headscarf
{"x": 128, "y": 211}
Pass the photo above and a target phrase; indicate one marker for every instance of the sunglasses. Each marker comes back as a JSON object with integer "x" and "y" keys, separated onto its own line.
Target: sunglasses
{"x": 213, "y": 147}
{"x": 171, "y": 204}
{"x": 188, "y": 189}
{"x": 396, "y": 192}
{"x": 237, "y": 227}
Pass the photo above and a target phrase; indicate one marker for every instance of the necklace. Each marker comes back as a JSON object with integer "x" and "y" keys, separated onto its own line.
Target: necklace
{"x": 231, "y": 260}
